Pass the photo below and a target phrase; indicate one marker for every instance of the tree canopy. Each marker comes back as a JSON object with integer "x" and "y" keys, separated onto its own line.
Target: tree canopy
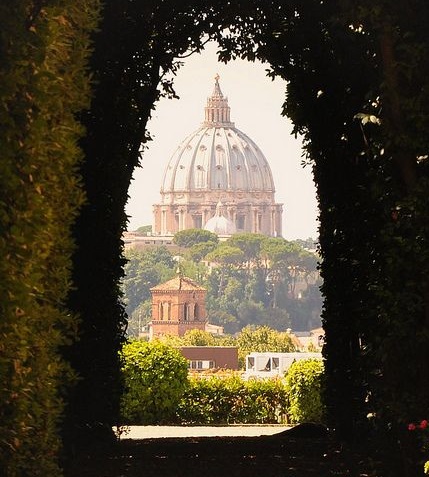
{"x": 188, "y": 238}
{"x": 279, "y": 289}
{"x": 144, "y": 229}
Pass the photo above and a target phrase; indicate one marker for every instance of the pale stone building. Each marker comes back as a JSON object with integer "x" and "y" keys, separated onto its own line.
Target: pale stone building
{"x": 220, "y": 172}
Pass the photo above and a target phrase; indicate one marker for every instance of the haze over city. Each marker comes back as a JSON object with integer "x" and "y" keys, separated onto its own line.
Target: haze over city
{"x": 255, "y": 101}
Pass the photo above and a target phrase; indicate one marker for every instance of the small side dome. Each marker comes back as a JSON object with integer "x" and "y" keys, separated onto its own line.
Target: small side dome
{"x": 219, "y": 224}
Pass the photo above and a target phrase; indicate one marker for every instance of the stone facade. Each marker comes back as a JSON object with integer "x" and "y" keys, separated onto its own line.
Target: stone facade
{"x": 253, "y": 212}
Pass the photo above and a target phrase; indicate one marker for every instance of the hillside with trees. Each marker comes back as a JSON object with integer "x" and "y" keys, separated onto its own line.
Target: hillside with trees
{"x": 250, "y": 279}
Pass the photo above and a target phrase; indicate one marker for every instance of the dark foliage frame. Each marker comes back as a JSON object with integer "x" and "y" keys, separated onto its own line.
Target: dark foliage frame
{"x": 358, "y": 93}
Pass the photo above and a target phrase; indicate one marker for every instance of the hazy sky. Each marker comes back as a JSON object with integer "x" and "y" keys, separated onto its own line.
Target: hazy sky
{"x": 255, "y": 103}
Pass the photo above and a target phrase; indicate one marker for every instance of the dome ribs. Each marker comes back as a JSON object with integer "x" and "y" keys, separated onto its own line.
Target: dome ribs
{"x": 218, "y": 162}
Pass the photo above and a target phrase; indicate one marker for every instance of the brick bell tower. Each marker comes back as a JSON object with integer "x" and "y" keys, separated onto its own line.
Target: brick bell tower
{"x": 178, "y": 306}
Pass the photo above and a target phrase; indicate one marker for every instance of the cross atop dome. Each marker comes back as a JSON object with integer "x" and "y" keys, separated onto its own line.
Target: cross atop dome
{"x": 217, "y": 93}
{"x": 217, "y": 110}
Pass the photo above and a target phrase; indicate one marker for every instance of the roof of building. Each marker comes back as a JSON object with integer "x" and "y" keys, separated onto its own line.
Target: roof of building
{"x": 178, "y": 283}
{"x": 218, "y": 156}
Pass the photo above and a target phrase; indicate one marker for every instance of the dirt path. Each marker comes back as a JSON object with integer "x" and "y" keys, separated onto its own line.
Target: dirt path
{"x": 267, "y": 456}
{"x": 156, "y": 432}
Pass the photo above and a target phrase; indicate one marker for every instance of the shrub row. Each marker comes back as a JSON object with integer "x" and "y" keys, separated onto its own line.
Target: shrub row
{"x": 231, "y": 400}
{"x": 43, "y": 84}
{"x": 159, "y": 391}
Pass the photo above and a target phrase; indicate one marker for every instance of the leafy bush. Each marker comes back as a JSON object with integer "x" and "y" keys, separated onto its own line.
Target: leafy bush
{"x": 231, "y": 400}
{"x": 303, "y": 383}
{"x": 198, "y": 338}
{"x": 44, "y": 83}
{"x": 261, "y": 339}
{"x": 265, "y": 402}
{"x": 155, "y": 378}
{"x": 143, "y": 270}
{"x": 208, "y": 400}
{"x": 158, "y": 390}
{"x": 190, "y": 237}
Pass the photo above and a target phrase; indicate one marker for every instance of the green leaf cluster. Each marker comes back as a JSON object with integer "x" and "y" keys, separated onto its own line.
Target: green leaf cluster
{"x": 44, "y": 83}
{"x": 198, "y": 338}
{"x": 304, "y": 383}
{"x": 231, "y": 400}
{"x": 158, "y": 390}
{"x": 263, "y": 280}
{"x": 190, "y": 237}
{"x": 261, "y": 339}
{"x": 144, "y": 270}
{"x": 155, "y": 378}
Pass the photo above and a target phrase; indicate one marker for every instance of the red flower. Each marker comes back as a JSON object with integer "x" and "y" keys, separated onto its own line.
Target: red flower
{"x": 411, "y": 427}
{"x": 423, "y": 424}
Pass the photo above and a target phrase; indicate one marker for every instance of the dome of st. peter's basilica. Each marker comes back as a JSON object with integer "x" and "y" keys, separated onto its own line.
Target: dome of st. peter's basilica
{"x": 218, "y": 175}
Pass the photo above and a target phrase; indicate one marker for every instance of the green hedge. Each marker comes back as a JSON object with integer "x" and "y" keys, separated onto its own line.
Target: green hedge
{"x": 158, "y": 390}
{"x": 43, "y": 84}
{"x": 231, "y": 400}
{"x": 155, "y": 378}
{"x": 304, "y": 384}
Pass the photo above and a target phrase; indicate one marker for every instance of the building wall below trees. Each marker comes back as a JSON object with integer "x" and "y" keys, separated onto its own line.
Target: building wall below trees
{"x": 222, "y": 357}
